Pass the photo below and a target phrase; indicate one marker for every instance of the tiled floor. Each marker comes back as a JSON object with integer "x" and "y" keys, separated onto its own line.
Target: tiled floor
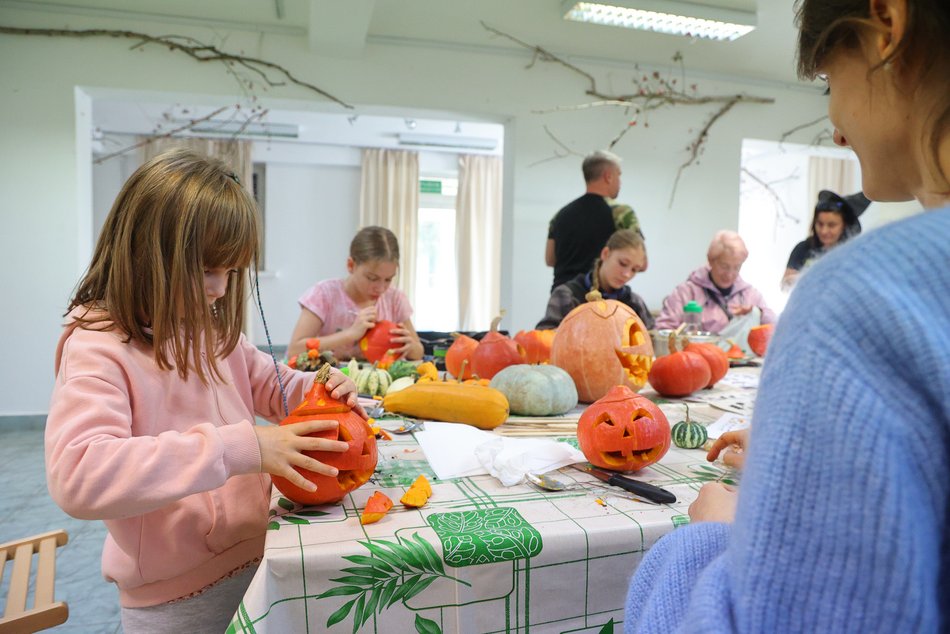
{"x": 26, "y": 509}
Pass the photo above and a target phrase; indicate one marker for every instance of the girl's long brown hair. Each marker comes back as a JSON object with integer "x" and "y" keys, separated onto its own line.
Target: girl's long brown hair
{"x": 178, "y": 215}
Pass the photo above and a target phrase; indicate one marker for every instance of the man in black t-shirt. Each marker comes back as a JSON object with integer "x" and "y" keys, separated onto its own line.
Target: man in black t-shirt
{"x": 579, "y": 231}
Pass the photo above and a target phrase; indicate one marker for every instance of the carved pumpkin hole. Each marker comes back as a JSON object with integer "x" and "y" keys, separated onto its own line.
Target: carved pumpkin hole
{"x": 605, "y": 420}
{"x": 366, "y": 450}
{"x": 344, "y": 434}
{"x": 626, "y": 433}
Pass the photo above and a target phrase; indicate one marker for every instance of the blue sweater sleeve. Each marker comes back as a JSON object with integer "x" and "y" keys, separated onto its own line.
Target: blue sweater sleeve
{"x": 841, "y": 524}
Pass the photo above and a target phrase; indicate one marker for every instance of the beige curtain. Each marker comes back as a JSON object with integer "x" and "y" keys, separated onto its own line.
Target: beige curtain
{"x": 478, "y": 240}
{"x": 389, "y": 197}
{"x": 829, "y": 173}
{"x": 234, "y": 152}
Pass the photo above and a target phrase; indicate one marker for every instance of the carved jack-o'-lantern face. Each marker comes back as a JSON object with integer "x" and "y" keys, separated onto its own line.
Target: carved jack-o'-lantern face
{"x": 601, "y": 344}
{"x": 623, "y": 431}
{"x": 356, "y": 465}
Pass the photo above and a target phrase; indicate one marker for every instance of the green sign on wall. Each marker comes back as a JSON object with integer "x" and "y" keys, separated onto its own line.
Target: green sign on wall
{"x": 430, "y": 187}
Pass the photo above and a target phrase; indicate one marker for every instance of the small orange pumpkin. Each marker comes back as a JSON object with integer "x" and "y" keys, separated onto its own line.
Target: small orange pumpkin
{"x": 495, "y": 352}
{"x": 355, "y": 465}
{"x": 623, "y": 431}
{"x": 714, "y": 356}
{"x": 759, "y": 337}
{"x": 536, "y": 344}
{"x": 679, "y": 373}
{"x": 603, "y": 343}
{"x": 458, "y": 354}
{"x": 377, "y": 343}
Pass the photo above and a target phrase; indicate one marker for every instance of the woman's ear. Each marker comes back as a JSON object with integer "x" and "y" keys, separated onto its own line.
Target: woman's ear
{"x": 350, "y": 265}
{"x": 890, "y": 19}
{"x": 605, "y": 253}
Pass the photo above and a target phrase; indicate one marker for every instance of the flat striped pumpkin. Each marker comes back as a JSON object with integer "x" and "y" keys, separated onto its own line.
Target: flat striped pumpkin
{"x": 688, "y": 434}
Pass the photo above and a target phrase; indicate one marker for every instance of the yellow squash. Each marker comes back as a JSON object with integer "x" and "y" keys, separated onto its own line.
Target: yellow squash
{"x": 476, "y": 405}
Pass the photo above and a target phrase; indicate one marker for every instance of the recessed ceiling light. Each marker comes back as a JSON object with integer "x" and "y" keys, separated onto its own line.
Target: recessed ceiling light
{"x": 670, "y": 16}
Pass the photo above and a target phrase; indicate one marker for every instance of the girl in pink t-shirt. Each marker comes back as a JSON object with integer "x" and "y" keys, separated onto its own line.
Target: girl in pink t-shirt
{"x": 339, "y": 312}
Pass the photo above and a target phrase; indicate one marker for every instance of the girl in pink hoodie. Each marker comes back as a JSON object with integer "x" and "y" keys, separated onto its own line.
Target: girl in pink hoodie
{"x": 151, "y": 425}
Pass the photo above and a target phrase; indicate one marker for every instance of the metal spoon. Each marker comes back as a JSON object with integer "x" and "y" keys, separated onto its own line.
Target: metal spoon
{"x": 548, "y": 483}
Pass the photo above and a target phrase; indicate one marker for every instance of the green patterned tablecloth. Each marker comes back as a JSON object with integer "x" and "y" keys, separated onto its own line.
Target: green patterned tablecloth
{"x": 478, "y": 558}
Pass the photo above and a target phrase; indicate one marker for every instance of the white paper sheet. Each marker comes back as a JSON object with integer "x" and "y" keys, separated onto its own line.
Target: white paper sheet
{"x": 727, "y": 422}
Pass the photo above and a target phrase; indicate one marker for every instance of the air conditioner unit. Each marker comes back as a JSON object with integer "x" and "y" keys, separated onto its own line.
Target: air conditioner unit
{"x": 447, "y": 141}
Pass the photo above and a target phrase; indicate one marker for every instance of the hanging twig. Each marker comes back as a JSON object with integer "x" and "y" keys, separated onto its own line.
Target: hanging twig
{"x": 789, "y": 133}
{"x": 781, "y": 209}
{"x": 192, "y": 123}
{"x": 192, "y": 48}
{"x": 697, "y": 145}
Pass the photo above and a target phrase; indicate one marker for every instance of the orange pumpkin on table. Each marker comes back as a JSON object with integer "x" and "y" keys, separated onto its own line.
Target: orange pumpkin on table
{"x": 494, "y": 353}
{"x": 679, "y": 373}
{"x": 603, "y": 343}
{"x": 355, "y": 465}
{"x": 536, "y": 344}
{"x": 714, "y": 356}
{"x": 623, "y": 431}
{"x": 759, "y": 337}
{"x": 458, "y": 358}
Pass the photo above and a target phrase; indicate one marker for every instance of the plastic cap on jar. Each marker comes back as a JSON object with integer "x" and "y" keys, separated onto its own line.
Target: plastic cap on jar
{"x": 692, "y": 307}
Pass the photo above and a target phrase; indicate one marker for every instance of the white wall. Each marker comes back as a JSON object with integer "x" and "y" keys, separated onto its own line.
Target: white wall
{"x": 46, "y": 219}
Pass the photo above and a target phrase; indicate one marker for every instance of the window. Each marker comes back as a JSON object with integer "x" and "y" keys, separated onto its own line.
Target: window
{"x": 436, "y": 301}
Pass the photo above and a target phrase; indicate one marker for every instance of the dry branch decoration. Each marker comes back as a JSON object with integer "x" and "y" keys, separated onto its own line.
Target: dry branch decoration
{"x": 272, "y": 74}
{"x": 650, "y": 92}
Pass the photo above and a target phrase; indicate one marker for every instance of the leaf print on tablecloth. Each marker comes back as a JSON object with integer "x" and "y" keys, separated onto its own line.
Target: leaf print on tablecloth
{"x": 485, "y": 536}
{"x": 298, "y": 517}
{"x": 396, "y": 571}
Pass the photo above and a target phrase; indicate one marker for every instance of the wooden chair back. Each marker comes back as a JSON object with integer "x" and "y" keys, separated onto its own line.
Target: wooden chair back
{"x": 45, "y": 611}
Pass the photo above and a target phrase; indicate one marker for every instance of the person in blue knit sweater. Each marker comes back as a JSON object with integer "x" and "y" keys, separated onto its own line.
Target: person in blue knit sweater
{"x": 842, "y": 522}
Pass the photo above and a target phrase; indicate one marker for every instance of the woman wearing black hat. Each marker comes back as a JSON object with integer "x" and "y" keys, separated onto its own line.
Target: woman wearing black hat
{"x": 834, "y": 222}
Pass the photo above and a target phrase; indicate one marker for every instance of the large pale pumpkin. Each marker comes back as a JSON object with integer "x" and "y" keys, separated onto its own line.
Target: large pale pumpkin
{"x": 603, "y": 343}
{"x": 536, "y": 390}
{"x": 355, "y": 465}
{"x": 623, "y": 431}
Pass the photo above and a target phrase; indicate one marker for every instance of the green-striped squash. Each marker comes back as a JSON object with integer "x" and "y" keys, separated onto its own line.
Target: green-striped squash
{"x": 373, "y": 381}
{"x": 688, "y": 434}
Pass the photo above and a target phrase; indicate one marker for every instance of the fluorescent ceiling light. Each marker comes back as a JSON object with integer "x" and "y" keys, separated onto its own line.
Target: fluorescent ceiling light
{"x": 242, "y": 128}
{"x": 448, "y": 140}
{"x": 664, "y": 16}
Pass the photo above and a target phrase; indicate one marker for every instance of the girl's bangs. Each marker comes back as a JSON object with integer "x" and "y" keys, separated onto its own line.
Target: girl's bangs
{"x": 231, "y": 236}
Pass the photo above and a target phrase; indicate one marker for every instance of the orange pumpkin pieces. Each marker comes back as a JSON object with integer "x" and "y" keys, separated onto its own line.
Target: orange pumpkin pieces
{"x": 735, "y": 352}
{"x": 458, "y": 358}
{"x": 603, "y": 343}
{"x": 418, "y": 493}
{"x": 376, "y": 343}
{"x": 714, "y": 356}
{"x": 376, "y": 506}
{"x": 759, "y": 338}
{"x": 355, "y": 465}
{"x": 536, "y": 344}
{"x": 679, "y": 373}
{"x": 623, "y": 431}
{"x": 494, "y": 353}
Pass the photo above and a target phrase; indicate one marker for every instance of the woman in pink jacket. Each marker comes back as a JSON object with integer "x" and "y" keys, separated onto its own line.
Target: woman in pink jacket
{"x": 717, "y": 287}
{"x": 151, "y": 425}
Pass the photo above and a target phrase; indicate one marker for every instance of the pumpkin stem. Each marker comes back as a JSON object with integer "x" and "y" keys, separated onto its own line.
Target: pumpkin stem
{"x": 461, "y": 375}
{"x": 593, "y": 296}
{"x": 672, "y": 343}
{"x": 497, "y": 320}
{"x": 687, "y": 412}
{"x": 323, "y": 374}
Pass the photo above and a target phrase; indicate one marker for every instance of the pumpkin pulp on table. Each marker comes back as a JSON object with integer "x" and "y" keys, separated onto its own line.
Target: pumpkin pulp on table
{"x": 355, "y": 465}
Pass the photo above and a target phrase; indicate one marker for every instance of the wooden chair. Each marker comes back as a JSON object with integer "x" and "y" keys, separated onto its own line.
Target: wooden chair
{"x": 45, "y": 612}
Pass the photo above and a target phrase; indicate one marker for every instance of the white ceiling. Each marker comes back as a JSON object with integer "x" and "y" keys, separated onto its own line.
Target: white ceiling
{"x": 345, "y": 27}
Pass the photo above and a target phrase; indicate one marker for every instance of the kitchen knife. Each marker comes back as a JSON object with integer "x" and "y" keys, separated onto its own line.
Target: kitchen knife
{"x": 648, "y": 491}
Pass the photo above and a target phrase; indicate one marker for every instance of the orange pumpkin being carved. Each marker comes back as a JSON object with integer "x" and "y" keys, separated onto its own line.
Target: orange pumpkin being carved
{"x": 679, "y": 373}
{"x": 536, "y": 344}
{"x": 376, "y": 343}
{"x": 458, "y": 358}
{"x": 623, "y": 431}
{"x": 603, "y": 343}
{"x": 494, "y": 353}
{"x": 759, "y": 338}
{"x": 355, "y": 465}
